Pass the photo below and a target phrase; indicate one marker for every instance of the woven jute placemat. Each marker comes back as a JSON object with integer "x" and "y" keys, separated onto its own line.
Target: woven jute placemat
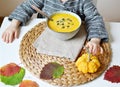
{"x": 34, "y": 61}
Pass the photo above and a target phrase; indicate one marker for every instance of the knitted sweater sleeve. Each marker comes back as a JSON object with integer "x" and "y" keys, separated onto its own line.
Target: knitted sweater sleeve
{"x": 94, "y": 22}
{"x": 24, "y": 11}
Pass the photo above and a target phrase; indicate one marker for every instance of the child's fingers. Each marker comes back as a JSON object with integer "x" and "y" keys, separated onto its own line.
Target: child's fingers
{"x": 7, "y": 37}
{"x": 89, "y": 46}
{"x": 11, "y": 37}
{"x": 95, "y": 50}
{"x": 16, "y": 34}
{"x": 3, "y": 35}
{"x": 91, "y": 49}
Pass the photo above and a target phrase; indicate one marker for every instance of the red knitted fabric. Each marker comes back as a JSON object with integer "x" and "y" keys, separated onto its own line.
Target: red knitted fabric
{"x": 113, "y": 74}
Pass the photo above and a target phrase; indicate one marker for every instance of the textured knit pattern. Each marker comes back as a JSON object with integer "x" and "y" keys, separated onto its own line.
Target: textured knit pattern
{"x": 84, "y": 8}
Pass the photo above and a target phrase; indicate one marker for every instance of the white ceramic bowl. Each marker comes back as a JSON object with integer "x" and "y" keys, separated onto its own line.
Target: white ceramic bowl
{"x": 65, "y": 35}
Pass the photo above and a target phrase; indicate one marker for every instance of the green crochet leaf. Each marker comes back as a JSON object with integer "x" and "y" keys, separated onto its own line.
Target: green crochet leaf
{"x": 58, "y": 71}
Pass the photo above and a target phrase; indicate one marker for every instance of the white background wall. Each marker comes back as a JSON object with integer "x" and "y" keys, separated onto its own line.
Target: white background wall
{"x": 109, "y": 9}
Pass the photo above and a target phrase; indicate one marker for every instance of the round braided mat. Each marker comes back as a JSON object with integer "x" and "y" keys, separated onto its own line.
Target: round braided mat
{"x": 34, "y": 61}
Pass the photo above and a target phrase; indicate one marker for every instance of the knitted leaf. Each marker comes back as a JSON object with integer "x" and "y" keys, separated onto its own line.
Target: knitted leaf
{"x": 52, "y": 70}
{"x": 9, "y": 69}
{"x": 113, "y": 74}
{"x": 28, "y": 83}
{"x": 11, "y": 74}
{"x": 13, "y": 80}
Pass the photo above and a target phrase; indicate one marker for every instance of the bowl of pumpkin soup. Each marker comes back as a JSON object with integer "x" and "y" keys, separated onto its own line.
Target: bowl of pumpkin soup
{"x": 64, "y": 24}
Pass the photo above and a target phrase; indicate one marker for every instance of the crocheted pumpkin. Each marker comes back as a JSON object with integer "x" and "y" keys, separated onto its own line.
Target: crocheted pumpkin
{"x": 87, "y": 63}
{"x": 11, "y": 74}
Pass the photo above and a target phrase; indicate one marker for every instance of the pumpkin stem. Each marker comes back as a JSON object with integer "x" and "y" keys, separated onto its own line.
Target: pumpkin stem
{"x": 88, "y": 52}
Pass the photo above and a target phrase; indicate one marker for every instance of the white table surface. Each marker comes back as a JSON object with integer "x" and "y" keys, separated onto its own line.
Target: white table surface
{"x": 10, "y": 53}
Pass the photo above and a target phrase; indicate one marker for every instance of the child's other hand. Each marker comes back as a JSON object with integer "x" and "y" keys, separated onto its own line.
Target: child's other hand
{"x": 12, "y": 32}
{"x": 94, "y": 46}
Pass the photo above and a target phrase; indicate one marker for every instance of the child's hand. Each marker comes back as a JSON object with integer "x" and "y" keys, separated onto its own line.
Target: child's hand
{"x": 12, "y": 32}
{"x": 94, "y": 46}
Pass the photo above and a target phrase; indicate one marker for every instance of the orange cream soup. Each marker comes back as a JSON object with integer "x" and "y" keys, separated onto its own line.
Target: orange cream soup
{"x": 63, "y": 22}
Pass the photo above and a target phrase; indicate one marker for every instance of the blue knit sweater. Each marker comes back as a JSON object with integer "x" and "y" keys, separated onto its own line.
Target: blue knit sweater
{"x": 84, "y": 8}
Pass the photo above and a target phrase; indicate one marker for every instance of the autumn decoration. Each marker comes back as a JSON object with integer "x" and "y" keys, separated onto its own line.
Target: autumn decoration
{"x": 52, "y": 70}
{"x": 113, "y": 74}
{"x": 11, "y": 74}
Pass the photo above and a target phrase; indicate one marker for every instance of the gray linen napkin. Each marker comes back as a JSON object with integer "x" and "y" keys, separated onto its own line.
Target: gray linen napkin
{"x": 50, "y": 45}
